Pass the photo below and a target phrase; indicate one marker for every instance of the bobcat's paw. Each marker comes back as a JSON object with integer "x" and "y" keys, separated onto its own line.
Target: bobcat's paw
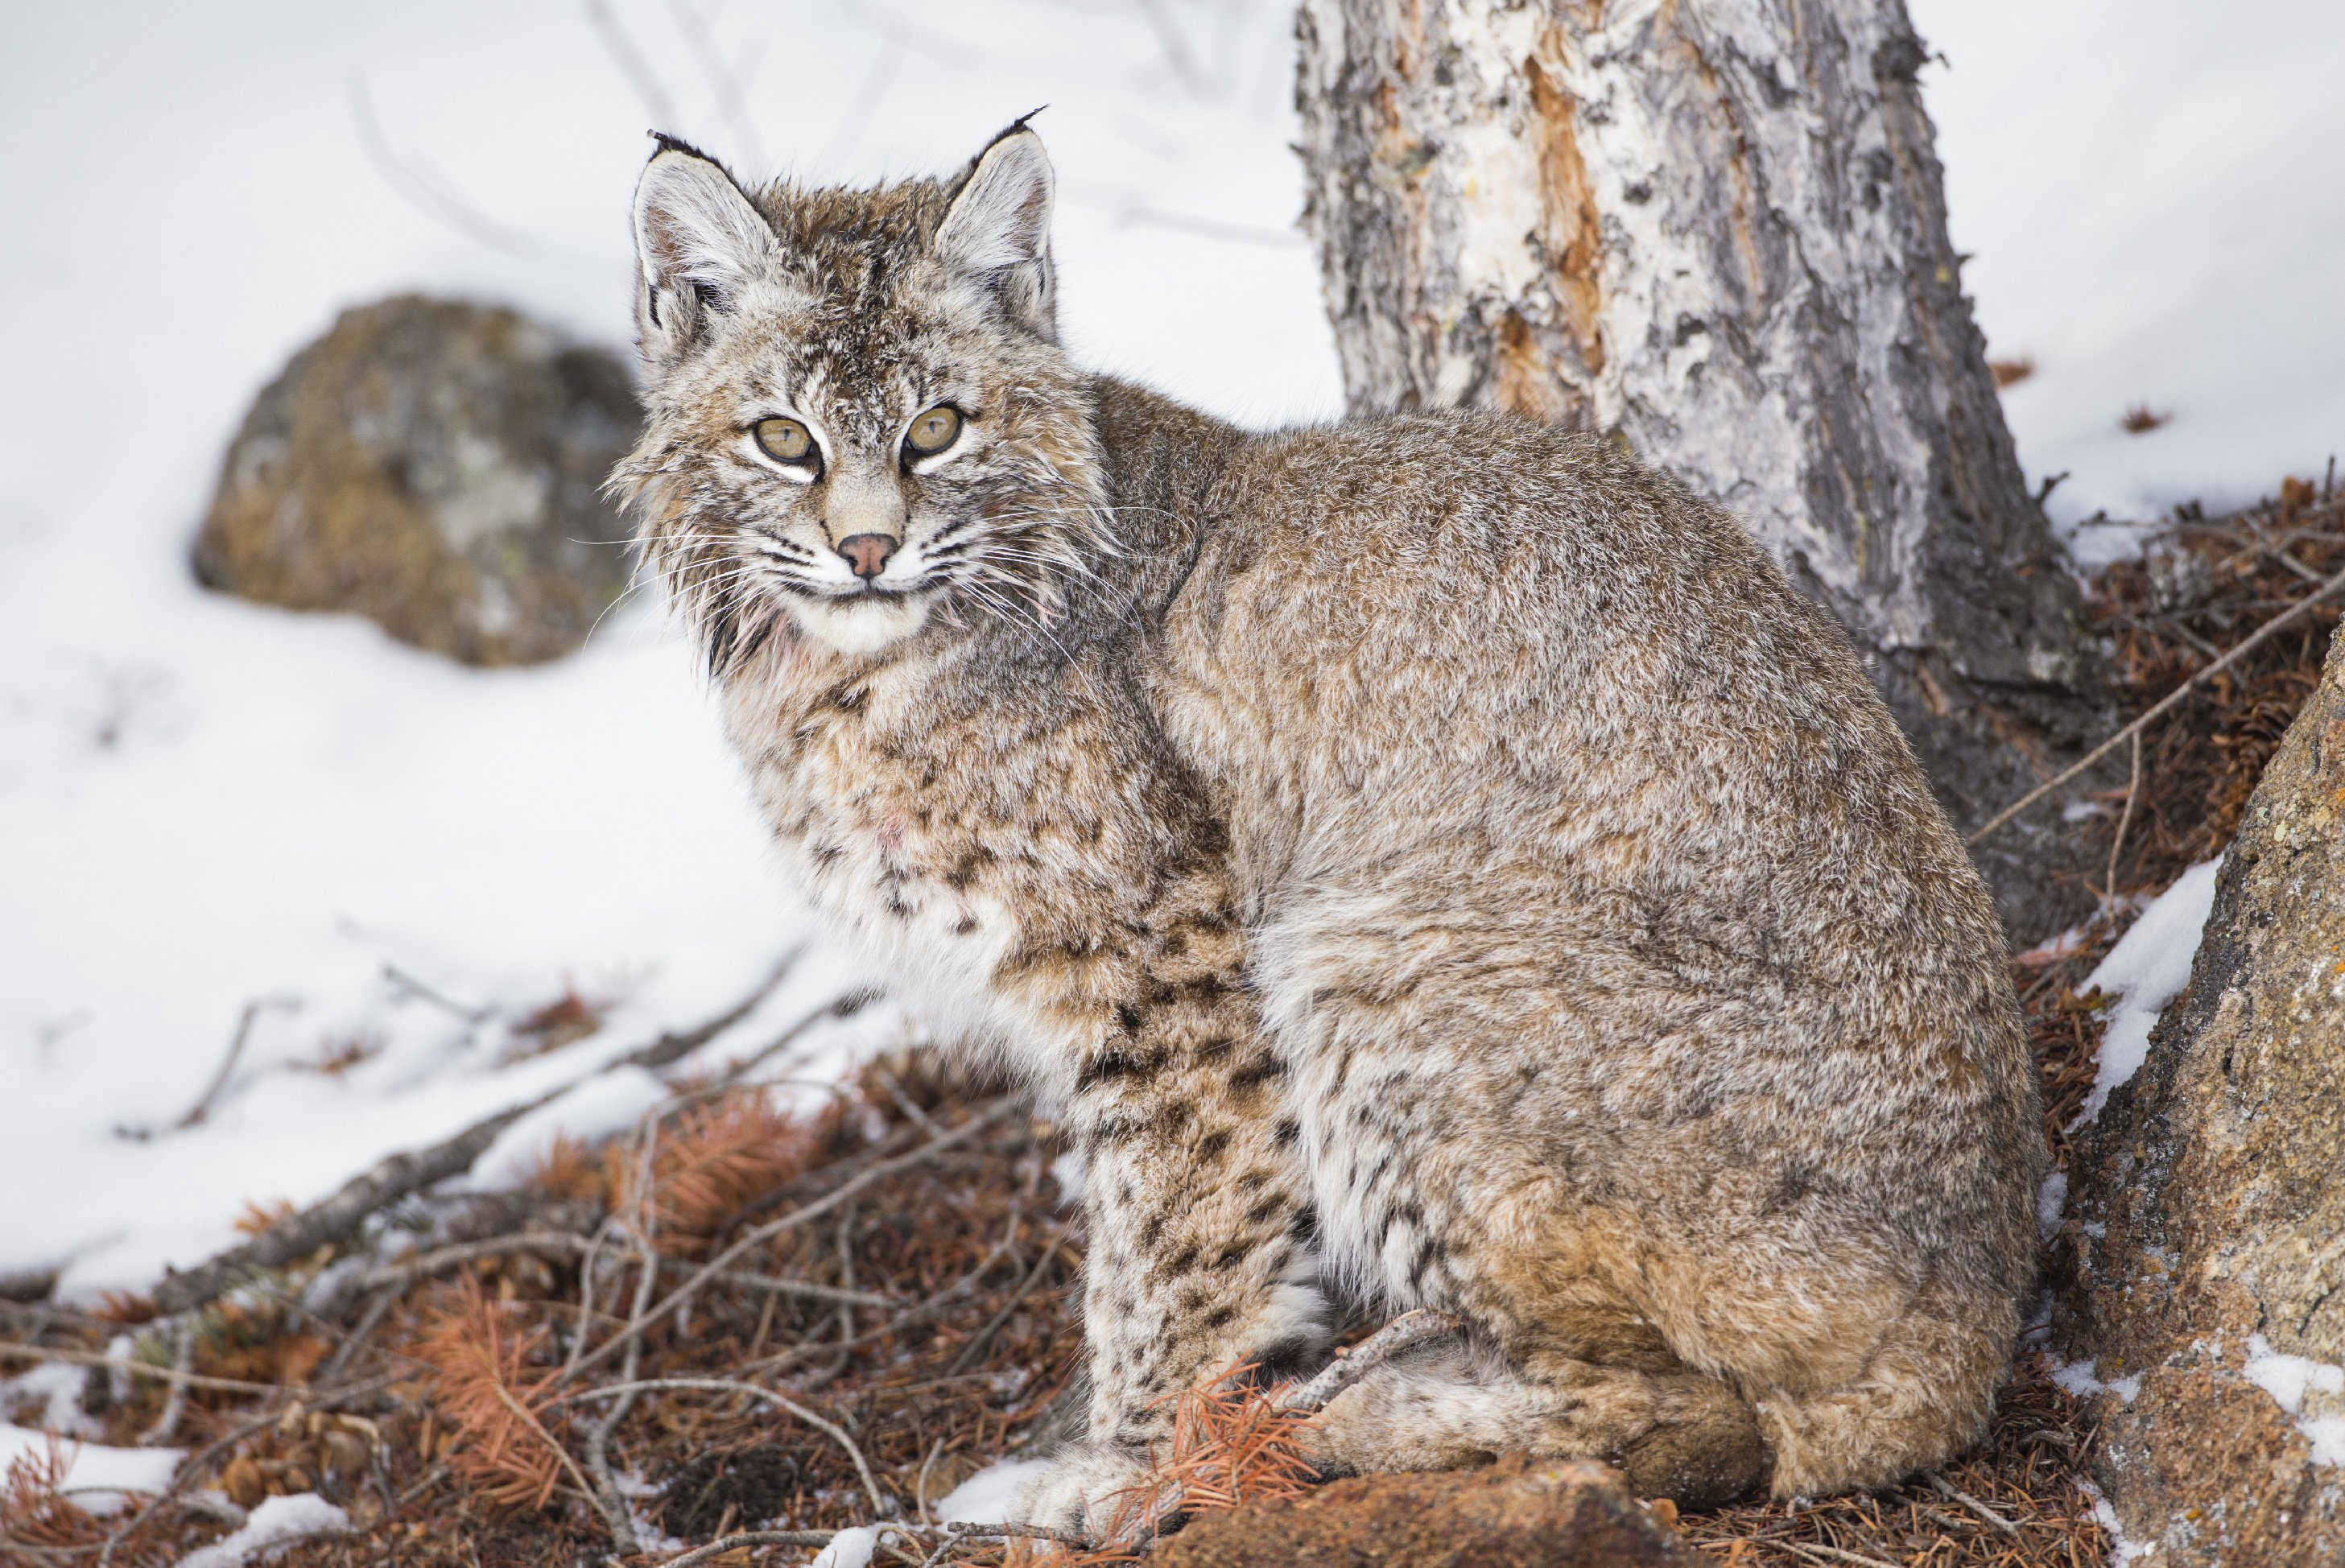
{"x": 1087, "y": 1489}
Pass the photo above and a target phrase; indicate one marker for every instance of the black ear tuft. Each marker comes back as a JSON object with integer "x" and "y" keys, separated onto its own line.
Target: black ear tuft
{"x": 996, "y": 227}
{"x": 668, "y": 144}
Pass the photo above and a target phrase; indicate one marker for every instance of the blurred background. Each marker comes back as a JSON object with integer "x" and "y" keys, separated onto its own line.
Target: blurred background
{"x": 280, "y": 894}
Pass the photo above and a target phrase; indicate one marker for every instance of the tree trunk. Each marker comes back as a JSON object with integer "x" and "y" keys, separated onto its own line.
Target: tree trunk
{"x": 1716, "y": 229}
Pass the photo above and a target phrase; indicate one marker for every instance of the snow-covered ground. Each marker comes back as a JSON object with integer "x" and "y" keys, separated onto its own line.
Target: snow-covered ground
{"x": 206, "y": 806}
{"x": 2154, "y": 195}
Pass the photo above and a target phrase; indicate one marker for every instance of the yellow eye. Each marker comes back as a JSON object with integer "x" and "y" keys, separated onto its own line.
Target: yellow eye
{"x": 785, "y": 441}
{"x": 935, "y": 431}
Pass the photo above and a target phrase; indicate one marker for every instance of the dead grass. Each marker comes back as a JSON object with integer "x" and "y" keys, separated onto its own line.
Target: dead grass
{"x": 921, "y": 1315}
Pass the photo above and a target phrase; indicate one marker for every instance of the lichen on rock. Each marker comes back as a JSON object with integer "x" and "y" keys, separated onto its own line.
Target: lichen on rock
{"x": 2204, "y": 1252}
{"x": 435, "y": 466}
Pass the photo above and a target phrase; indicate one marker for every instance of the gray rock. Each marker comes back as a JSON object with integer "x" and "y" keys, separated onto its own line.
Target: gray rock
{"x": 434, "y": 466}
{"x": 2205, "y": 1250}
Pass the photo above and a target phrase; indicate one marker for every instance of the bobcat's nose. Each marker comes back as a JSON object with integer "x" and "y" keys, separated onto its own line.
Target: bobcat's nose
{"x": 866, "y": 553}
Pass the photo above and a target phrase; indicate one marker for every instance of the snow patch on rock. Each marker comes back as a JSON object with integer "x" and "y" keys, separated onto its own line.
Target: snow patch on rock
{"x": 2123, "y": 1549}
{"x": 2082, "y": 1381}
{"x": 2288, "y": 1378}
{"x": 2147, "y": 967}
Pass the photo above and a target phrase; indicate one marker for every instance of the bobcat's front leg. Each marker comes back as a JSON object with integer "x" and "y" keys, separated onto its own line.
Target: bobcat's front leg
{"x": 1195, "y": 1202}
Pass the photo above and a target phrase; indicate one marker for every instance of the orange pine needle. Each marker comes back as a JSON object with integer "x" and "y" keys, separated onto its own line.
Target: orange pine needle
{"x": 509, "y": 1427}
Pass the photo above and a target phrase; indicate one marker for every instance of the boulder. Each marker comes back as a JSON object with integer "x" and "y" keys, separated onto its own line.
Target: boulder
{"x": 1516, "y": 1513}
{"x": 433, "y": 465}
{"x": 2202, "y": 1264}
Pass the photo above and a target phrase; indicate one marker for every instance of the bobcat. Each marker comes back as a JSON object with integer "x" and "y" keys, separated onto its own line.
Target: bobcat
{"x": 1432, "y": 861}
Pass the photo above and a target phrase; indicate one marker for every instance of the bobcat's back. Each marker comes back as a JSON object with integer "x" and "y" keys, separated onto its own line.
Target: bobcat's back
{"x": 1582, "y": 837}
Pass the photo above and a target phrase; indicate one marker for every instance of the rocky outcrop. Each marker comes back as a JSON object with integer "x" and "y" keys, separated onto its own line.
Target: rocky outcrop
{"x": 2202, "y": 1265}
{"x": 434, "y": 466}
{"x": 1516, "y": 1513}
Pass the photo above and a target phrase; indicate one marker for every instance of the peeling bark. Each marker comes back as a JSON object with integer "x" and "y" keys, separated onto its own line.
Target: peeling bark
{"x": 1716, "y": 229}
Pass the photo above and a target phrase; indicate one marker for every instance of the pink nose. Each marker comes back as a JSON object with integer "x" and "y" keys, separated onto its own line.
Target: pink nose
{"x": 866, "y": 553}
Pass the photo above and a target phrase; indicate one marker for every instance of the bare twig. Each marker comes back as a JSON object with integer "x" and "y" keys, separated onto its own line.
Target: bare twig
{"x": 1952, "y": 1493}
{"x": 2164, "y": 704}
{"x": 192, "y": 1468}
{"x": 836, "y": 1432}
{"x": 1408, "y": 1329}
{"x": 957, "y": 1291}
{"x": 369, "y": 1321}
{"x": 979, "y": 1340}
{"x": 183, "y": 1362}
{"x": 2116, "y": 844}
{"x": 598, "y": 1436}
{"x": 682, "y": 1293}
{"x": 633, "y": 67}
{"x": 438, "y": 998}
{"x": 439, "y": 1260}
{"x": 203, "y": 1105}
{"x": 727, "y": 84}
{"x": 724, "y": 1543}
{"x": 140, "y": 1369}
{"x": 332, "y": 1219}
{"x": 1832, "y": 1554}
{"x": 428, "y": 195}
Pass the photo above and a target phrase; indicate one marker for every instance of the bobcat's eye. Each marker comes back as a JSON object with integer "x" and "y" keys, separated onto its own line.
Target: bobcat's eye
{"x": 785, "y": 441}
{"x": 933, "y": 431}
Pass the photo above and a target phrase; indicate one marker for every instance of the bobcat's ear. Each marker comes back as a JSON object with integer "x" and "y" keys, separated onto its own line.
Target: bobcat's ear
{"x": 998, "y": 229}
{"x": 700, "y": 244}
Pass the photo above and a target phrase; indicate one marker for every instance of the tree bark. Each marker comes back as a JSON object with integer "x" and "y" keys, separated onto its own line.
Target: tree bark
{"x": 1716, "y": 229}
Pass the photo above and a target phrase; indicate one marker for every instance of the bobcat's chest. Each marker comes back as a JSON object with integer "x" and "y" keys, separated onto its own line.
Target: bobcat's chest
{"x": 868, "y": 831}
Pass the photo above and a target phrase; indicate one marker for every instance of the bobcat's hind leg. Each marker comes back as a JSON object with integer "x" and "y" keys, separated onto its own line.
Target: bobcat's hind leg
{"x": 1681, "y": 1435}
{"x": 1924, "y": 1394}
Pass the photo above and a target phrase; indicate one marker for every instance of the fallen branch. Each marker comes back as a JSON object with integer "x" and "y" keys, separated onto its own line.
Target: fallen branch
{"x": 724, "y": 1543}
{"x": 1408, "y": 1329}
{"x": 1952, "y": 1493}
{"x": 140, "y": 1369}
{"x": 334, "y": 1219}
{"x": 2165, "y": 705}
{"x": 1832, "y": 1554}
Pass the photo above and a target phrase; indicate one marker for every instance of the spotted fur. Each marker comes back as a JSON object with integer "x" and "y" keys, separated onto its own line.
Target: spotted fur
{"x": 1432, "y": 861}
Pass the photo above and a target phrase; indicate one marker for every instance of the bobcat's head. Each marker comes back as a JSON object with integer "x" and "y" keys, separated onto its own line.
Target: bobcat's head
{"x": 859, "y": 428}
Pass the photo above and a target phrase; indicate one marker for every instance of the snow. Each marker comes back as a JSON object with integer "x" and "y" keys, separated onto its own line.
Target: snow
{"x": 2123, "y": 1549}
{"x": 275, "y": 1521}
{"x": 992, "y": 1494}
{"x": 2150, "y": 192}
{"x": 850, "y": 1548}
{"x": 2288, "y": 1380}
{"x": 207, "y": 806}
{"x": 2082, "y": 1381}
{"x": 597, "y": 1108}
{"x": 2051, "y": 1199}
{"x": 2147, "y": 967}
{"x": 58, "y": 1387}
{"x": 95, "y": 1476}
{"x": 988, "y": 1497}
